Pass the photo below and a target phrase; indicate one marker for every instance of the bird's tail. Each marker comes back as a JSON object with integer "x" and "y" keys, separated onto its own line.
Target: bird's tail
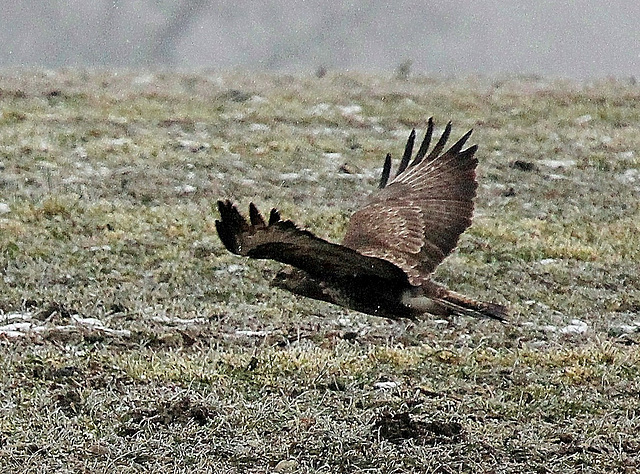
{"x": 435, "y": 299}
{"x": 461, "y": 305}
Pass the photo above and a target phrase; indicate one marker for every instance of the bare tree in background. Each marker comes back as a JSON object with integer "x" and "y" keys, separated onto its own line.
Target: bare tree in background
{"x": 57, "y": 33}
{"x": 273, "y": 35}
{"x": 107, "y": 49}
{"x": 165, "y": 39}
{"x": 466, "y": 37}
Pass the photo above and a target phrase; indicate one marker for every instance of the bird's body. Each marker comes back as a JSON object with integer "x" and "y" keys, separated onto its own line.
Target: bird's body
{"x": 393, "y": 243}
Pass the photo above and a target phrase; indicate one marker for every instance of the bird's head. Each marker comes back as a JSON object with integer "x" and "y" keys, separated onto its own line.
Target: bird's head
{"x": 289, "y": 279}
{"x": 301, "y": 283}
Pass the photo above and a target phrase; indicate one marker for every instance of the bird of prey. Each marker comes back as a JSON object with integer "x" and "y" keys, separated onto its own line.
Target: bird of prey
{"x": 393, "y": 244}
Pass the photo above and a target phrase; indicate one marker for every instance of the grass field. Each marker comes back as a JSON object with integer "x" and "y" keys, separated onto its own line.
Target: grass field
{"x": 131, "y": 341}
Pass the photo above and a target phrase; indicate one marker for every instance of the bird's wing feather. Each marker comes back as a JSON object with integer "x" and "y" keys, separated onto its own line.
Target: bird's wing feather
{"x": 284, "y": 242}
{"x": 416, "y": 220}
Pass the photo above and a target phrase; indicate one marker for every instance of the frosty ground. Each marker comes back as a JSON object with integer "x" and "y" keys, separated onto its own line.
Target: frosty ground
{"x": 131, "y": 341}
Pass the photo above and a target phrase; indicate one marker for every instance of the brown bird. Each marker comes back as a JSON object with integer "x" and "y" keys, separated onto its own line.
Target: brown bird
{"x": 392, "y": 246}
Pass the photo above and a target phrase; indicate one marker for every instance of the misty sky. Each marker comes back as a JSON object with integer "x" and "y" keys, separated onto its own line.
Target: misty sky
{"x": 577, "y": 39}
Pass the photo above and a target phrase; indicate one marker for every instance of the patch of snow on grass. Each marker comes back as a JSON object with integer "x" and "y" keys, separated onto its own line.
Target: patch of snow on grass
{"x": 247, "y": 333}
{"x": 629, "y": 176}
{"x": 558, "y": 163}
{"x": 352, "y": 109}
{"x": 319, "y": 109}
{"x": 259, "y": 127}
{"x": 385, "y": 385}
{"x": 583, "y": 119}
{"x": 185, "y": 189}
{"x": 14, "y": 330}
{"x": 575, "y": 327}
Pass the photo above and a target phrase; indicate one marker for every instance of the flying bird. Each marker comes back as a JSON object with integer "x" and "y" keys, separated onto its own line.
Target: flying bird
{"x": 392, "y": 246}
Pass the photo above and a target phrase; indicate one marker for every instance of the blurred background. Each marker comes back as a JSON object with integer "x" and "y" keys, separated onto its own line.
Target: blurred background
{"x": 578, "y": 39}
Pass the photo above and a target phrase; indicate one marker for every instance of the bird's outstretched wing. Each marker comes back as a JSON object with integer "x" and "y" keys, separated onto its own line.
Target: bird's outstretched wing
{"x": 284, "y": 242}
{"x": 415, "y": 220}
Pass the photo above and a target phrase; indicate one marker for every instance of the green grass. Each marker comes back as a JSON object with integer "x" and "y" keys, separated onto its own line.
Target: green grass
{"x": 152, "y": 349}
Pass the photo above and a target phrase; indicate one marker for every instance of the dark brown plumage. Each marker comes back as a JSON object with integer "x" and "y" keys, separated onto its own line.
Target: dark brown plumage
{"x": 392, "y": 246}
